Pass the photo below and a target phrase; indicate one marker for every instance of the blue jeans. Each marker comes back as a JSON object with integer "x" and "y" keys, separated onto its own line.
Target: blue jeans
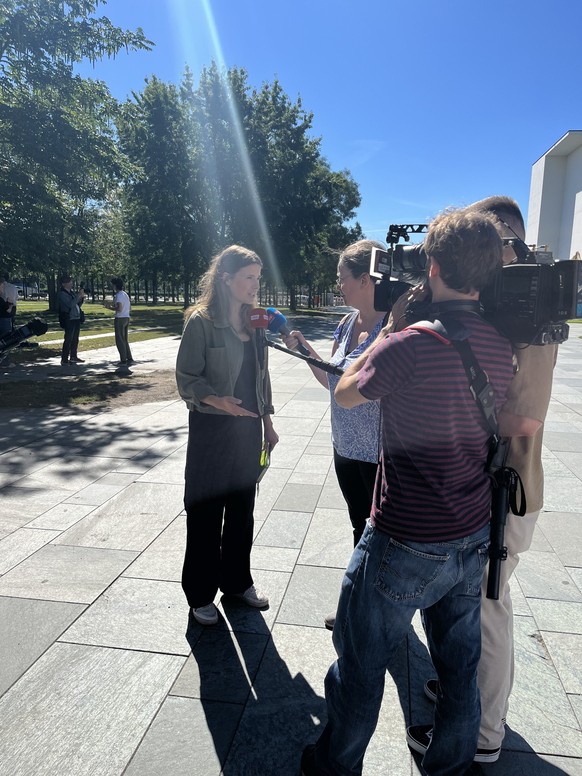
{"x": 386, "y": 581}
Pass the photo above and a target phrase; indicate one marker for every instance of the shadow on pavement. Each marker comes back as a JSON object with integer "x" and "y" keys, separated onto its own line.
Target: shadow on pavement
{"x": 246, "y": 686}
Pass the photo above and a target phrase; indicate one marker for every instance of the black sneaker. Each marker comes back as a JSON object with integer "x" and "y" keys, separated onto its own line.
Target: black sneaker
{"x": 431, "y": 688}
{"x": 418, "y": 738}
{"x": 77, "y": 360}
{"x": 329, "y": 621}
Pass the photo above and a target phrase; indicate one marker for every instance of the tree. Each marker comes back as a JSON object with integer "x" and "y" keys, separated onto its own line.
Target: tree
{"x": 305, "y": 202}
{"x": 268, "y": 184}
{"x": 160, "y": 202}
{"x": 57, "y": 145}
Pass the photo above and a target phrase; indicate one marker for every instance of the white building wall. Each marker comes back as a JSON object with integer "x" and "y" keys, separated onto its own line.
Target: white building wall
{"x": 576, "y": 245}
{"x": 549, "y": 183}
{"x": 535, "y": 201}
{"x": 571, "y": 232}
{"x": 555, "y": 203}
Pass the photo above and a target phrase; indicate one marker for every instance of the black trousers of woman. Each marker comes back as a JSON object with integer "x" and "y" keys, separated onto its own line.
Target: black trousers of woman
{"x": 222, "y": 463}
{"x": 356, "y": 480}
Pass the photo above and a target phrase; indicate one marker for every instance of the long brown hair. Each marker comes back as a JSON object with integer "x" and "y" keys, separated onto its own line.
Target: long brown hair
{"x": 214, "y": 299}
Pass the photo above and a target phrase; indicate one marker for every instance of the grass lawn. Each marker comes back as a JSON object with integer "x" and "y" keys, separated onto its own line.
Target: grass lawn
{"x": 147, "y": 322}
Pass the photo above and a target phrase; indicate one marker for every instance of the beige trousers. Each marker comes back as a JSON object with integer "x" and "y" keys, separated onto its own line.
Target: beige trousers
{"x": 496, "y": 666}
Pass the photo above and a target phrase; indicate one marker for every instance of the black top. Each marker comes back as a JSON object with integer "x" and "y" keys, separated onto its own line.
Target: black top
{"x": 245, "y": 387}
{"x": 4, "y": 305}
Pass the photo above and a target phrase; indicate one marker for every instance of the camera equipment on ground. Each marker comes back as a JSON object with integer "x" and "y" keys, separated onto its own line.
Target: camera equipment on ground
{"x": 529, "y": 301}
{"x": 12, "y": 339}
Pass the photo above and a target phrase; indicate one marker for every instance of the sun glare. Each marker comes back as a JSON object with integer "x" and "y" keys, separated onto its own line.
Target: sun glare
{"x": 187, "y": 31}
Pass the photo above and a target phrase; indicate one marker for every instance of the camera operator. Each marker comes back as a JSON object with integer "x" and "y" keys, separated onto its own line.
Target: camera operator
{"x": 425, "y": 546}
{"x": 522, "y": 419}
{"x": 69, "y": 308}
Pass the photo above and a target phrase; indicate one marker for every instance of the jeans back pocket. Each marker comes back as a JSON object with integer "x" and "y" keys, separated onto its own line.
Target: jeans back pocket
{"x": 405, "y": 573}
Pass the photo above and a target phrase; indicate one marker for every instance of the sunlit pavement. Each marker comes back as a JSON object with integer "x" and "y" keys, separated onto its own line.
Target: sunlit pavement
{"x": 100, "y": 671}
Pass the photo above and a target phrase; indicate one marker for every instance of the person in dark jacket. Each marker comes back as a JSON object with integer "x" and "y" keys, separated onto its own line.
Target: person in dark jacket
{"x": 69, "y": 307}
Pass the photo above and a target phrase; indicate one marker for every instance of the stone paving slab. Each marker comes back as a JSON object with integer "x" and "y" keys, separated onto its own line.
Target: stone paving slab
{"x": 134, "y": 614}
{"x": 62, "y": 573}
{"x": 191, "y": 738}
{"x": 82, "y": 710}
{"x": 128, "y": 520}
{"x": 29, "y": 627}
{"x": 20, "y": 544}
{"x": 102, "y": 671}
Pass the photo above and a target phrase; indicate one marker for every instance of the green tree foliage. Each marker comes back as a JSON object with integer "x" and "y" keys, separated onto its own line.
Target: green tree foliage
{"x": 265, "y": 180}
{"x": 170, "y": 177}
{"x": 155, "y": 134}
{"x": 57, "y": 146}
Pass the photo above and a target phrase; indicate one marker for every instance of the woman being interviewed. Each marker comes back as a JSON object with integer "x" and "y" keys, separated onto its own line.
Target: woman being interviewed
{"x": 223, "y": 378}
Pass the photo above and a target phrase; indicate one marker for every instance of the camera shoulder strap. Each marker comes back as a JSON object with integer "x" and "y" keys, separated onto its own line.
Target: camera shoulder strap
{"x": 456, "y": 334}
{"x": 484, "y": 396}
{"x": 479, "y": 385}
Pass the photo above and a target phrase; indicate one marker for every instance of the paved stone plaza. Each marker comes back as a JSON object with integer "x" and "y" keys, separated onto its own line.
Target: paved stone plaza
{"x": 98, "y": 673}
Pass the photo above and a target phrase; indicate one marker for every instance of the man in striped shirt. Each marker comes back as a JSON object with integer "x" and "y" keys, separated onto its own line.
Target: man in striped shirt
{"x": 426, "y": 544}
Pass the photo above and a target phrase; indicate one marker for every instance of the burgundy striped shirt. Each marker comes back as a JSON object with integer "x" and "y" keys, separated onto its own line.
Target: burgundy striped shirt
{"x": 432, "y": 485}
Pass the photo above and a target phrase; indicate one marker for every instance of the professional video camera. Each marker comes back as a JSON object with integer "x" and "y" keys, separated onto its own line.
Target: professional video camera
{"x": 34, "y": 328}
{"x": 528, "y": 301}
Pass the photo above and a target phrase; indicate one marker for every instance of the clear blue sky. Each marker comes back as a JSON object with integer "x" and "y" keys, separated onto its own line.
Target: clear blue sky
{"x": 428, "y": 103}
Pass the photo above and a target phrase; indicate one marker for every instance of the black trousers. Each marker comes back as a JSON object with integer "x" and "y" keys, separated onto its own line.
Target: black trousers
{"x": 356, "y": 480}
{"x": 71, "y": 340}
{"x": 222, "y": 463}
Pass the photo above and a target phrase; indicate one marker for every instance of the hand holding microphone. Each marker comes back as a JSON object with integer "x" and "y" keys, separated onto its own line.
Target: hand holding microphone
{"x": 277, "y": 324}
{"x": 293, "y": 339}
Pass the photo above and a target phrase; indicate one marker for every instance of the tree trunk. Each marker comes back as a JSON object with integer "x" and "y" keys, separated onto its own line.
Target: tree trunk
{"x": 52, "y": 291}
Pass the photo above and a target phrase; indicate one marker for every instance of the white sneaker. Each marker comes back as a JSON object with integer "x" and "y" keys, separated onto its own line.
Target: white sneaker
{"x": 206, "y": 615}
{"x": 254, "y": 597}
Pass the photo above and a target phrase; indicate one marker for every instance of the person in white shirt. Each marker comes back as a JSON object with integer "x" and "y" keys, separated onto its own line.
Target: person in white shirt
{"x": 122, "y": 306}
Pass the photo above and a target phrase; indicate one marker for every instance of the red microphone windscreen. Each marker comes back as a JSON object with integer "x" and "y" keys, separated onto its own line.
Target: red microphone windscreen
{"x": 259, "y": 318}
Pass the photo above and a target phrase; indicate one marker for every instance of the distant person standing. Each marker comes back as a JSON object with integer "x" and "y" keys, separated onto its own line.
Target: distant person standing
{"x": 10, "y": 294}
{"x": 69, "y": 307}
{"x": 5, "y": 310}
{"x": 122, "y": 307}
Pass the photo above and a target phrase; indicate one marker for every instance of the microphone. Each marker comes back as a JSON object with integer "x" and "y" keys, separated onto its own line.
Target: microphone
{"x": 259, "y": 320}
{"x": 277, "y": 323}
